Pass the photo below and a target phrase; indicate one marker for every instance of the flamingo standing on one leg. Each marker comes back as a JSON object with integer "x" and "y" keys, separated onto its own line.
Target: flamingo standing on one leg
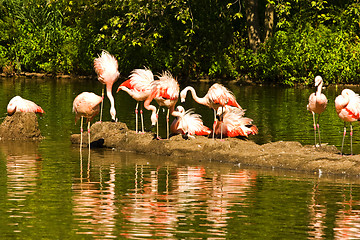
{"x": 232, "y": 123}
{"x": 106, "y": 67}
{"x": 138, "y": 86}
{"x": 217, "y": 96}
{"x": 19, "y": 104}
{"x": 86, "y": 105}
{"x": 188, "y": 123}
{"x": 317, "y": 104}
{"x": 165, "y": 91}
{"x": 347, "y": 106}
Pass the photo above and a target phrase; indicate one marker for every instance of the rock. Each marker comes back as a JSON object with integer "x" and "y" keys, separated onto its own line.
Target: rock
{"x": 20, "y": 126}
{"x": 288, "y": 155}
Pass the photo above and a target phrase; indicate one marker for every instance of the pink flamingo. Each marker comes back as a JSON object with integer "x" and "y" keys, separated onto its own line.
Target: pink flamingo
{"x": 217, "y": 96}
{"x": 232, "y": 123}
{"x": 188, "y": 123}
{"x": 317, "y": 104}
{"x": 347, "y": 106}
{"x": 138, "y": 86}
{"x": 106, "y": 67}
{"x": 165, "y": 91}
{"x": 86, "y": 105}
{"x": 19, "y": 104}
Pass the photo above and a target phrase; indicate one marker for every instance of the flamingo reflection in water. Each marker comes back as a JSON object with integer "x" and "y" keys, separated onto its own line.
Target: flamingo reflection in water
{"x": 147, "y": 205}
{"x": 94, "y": 202}
{"x": 23, "y": 170}
{"x": 347, "y": 223}
{"x": 317, "y": 214}
{"x": 194, "y": 192}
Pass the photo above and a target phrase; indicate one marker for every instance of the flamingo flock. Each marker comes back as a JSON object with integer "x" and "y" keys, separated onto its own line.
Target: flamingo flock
{"x": 229, "y": 119}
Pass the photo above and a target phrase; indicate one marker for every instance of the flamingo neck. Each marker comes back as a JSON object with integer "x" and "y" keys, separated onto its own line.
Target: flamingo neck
{"x": 197, "y": 99}
{"x": 112, "y": 102}
{"x": 319, "y": 88}
{"x": 151, "y": 108}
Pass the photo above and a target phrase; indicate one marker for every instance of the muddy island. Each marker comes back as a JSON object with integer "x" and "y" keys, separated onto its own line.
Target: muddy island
{"x": 281, "y": 155}
{"x": 20, "y": 126}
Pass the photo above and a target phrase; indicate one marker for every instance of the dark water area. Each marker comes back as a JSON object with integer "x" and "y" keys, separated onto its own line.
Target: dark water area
{"x": 49, "y": 190}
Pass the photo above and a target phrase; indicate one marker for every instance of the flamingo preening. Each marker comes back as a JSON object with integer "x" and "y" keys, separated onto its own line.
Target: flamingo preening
{"x": 19, "y": 104}
{"x": 232, "y": 123}
{"x": 165, "y": 92}
{"x": 106, "y": 68}
{"x": 188, "y": 123}
{"x": 86, "y": 105}
{"x": 139, "y": 87}
{"x": 347, "y": 106}
{"x": 217, "y": 96}
{"x": 317, "y": 105}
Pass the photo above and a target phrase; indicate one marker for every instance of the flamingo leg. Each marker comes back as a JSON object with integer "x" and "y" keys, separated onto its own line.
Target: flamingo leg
{"x": 167, "y": 124}
{"x": 342, "y": 144}
{"x": 351, "y": 134}
{"x": 88, "y": 129}
{"x": 157, "y": 124}
{"x": 213, "y": 135}
{"x": 318, "y": 127}
{"x": 142, "y": 119}
{"x": 314, "y": 126}
{"x": 102, "y": 104}
{"x": 136, "y": 117}
{"x": 221, "y": 123}
{"x": 81, "y": 131}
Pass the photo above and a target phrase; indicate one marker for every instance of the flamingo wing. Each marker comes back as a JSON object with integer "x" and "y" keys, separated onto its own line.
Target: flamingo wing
{"x": 235, "y": 124}
{"x": 221, "y": 96}
{"x": 166, "y": 87}
{"x": 353, "y": 108}
{"x": 194, "y": 123}
{"x": 140, "y": 80}
{"x": 86, "y": 105}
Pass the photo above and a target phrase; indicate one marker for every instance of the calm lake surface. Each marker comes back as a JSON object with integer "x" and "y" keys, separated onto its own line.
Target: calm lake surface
{"x": 49, "y": 190}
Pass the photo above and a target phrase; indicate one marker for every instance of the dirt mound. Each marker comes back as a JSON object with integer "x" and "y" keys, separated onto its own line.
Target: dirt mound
{"x": 283, "y": 155}
{"x": 20, "y": 126}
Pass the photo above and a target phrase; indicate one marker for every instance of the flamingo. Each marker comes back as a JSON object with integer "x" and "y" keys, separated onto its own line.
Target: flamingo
{"x": 138, "y": 86}
{"x": 86, "y": 105}
{"x": 19, "y": 104}
{"x": 188, "y": 123}
{"x": 232, "y": 123}
{"x": 165, "y": 91}
{"x": 347, "y": 106}
{"x": 217, "y": 96}
{"x": 317, "y": 104}
{"x": 106, "y": 67}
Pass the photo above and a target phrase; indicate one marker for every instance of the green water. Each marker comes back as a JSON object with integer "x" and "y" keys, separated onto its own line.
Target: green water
{"x": 48, "y": 190}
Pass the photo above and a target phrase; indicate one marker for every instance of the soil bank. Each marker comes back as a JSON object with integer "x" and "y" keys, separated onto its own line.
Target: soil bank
{"x": 282, "y": 155}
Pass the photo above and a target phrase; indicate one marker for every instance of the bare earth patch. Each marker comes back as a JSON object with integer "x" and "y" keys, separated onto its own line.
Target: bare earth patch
{"x": 283, "y": 155}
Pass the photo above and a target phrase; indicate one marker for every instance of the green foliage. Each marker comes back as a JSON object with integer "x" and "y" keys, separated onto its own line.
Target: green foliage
{"x": 193, "y": 39}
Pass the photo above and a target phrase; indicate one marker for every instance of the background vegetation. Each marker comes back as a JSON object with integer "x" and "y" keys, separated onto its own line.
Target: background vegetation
{"x": 284, "y": 41}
